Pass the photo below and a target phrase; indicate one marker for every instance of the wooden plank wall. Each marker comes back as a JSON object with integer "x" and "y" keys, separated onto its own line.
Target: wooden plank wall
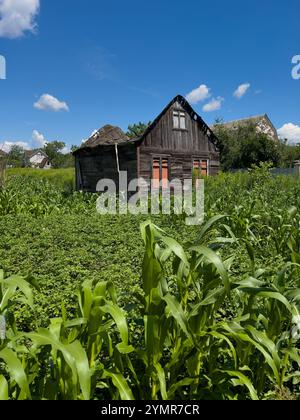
{"x": 180, "y": 146}
{"x": 100, "y": 163}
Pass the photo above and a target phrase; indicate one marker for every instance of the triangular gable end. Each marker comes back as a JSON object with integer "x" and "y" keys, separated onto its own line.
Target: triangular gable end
{"x": 193, "y": 114}
{"x": 266, "y": 116}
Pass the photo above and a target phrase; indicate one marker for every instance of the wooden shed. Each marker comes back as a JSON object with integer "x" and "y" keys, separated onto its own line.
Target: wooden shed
{"x": 174, "y": 145}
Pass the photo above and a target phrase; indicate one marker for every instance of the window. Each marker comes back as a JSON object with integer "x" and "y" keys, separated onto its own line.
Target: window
{"x": 182, "y": 121}
{"x": 176, "y": 122}
{"x": 179, "y": 121}
{"x": 160, "y": 172}
{"x": 200, "y": 167}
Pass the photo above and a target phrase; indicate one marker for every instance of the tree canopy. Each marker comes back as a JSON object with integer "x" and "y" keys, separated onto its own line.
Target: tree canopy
{"x": 137, "y": 130}
{"x": 244, "y": 146}
{"x": 58, "y": 159}
{"x": 15, "y": 156}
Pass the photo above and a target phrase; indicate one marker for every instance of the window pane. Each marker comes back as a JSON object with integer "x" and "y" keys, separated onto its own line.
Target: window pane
{"x": 176, "y": 119}
{"x": 182, "y": 121}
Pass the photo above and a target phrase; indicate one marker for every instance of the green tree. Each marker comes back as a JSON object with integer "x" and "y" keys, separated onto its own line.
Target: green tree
{"x": 74, "y": 148}
{"x": 289, "y": 153}
{"x": 16, "y": 156}
{"x": 243, "y": 146}
{"x": 54, "y": 152}
{"x": 137, "y": 130}
{"x": 68, "y": 161}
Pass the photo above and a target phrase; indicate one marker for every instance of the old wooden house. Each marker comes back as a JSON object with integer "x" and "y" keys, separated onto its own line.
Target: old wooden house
{"x": 175, "y": 145}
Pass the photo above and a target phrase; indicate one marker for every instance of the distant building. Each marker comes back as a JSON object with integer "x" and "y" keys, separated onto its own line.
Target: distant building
{"x": 262, "y": 123}
{"x": 37, "y": 159}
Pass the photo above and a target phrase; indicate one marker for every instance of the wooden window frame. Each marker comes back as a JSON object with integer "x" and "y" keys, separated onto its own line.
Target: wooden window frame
{"x": 179, "y": 114}
{"x": 201, "y": 160}
{"x": 161, "y": 158}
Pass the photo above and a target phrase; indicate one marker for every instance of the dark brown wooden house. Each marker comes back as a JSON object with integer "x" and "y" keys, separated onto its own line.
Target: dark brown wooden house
{"x": 175, "y": 144}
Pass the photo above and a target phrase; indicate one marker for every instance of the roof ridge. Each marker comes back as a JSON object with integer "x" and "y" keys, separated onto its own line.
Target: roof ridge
{"x": 107, "y": 135}
{"x": 245, "y": 118}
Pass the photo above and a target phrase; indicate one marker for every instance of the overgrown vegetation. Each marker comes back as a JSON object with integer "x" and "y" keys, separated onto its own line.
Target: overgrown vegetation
{"x": 208, "y": 312}
{"x": 137, "y": 130}
{"x": 61, "y": 179}
{"x": 55, "y": 150}
{"x": 243, "y": 146}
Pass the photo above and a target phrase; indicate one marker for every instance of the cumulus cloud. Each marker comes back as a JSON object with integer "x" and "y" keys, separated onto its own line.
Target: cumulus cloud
{"x": 242, "y": 90}
{"x": 198, "y": 95}
{"x": 50, "y": 103}
{"x": 38, "y": 138}
{"x": 18, "y": 17}
{"x": 291, "y": 132}
{"x": 214, "y": 105}
{"x": 7, "y": 145}
{"x": 66, "y": 150}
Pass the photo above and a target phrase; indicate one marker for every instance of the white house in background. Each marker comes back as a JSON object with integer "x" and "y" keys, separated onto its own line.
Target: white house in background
{"x": 37, "y": 159}
{"x": 262, "y": 123}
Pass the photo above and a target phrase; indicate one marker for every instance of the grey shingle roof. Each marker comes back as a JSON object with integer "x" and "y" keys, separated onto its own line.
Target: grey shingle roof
{"x": 106, "y": 136}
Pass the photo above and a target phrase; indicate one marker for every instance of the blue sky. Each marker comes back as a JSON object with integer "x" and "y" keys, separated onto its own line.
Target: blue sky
{"x": 121, "y": 62}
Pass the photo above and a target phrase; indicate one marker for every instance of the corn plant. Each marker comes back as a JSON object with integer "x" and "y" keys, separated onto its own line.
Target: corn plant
{"x": 203, "y": 333}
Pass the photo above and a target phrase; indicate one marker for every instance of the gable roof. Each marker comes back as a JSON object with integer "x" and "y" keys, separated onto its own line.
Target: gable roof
{"x": 243, "y": 121}
{"x": 30, "y": 153}
{"x": 250, "y": 120}
{"x": 196, "y": 117}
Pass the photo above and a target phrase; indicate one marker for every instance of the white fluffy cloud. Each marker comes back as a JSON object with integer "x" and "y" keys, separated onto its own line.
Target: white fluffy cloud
{"x": 38, "y": 138}
{"x": 214, "y": 105}
{"x": 50, "y": 103}
{"x": 242, "y": 90}
{"x": 291, "y": 132}
{"x": 7, "y": 145}
{"x": 40, "y": 141}
{"x": 66, "y": 150}
{"x": 18, "y": 17}
{"x": 198, "y": 95}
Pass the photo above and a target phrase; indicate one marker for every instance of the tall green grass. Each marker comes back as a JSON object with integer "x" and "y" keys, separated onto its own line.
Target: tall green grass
{"x": 62, "y": 178}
